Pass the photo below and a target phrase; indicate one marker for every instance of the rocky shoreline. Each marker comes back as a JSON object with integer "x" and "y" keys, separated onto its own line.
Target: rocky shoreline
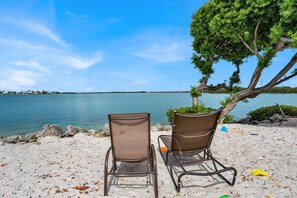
{"x": 57, "y": 131}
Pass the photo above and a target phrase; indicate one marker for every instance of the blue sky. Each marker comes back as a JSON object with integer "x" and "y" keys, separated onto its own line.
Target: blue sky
{"x": 105, "y": 45}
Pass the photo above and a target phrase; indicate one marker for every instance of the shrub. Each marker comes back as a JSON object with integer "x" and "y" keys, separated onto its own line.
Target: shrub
{"x": 229, "y": 119}
{"x": 264, "y": 113}
{"x": 199, "y": 108}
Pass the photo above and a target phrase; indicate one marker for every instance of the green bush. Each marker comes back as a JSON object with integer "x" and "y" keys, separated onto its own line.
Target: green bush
{"x": 200, "y": 108}
{"x": 264, "y": 113}
{"x": 229, "y": 119}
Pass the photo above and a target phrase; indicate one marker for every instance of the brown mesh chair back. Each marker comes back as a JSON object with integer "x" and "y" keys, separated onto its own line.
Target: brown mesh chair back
{"x": 193, "y": 131}
{"x": 130, "y": 136}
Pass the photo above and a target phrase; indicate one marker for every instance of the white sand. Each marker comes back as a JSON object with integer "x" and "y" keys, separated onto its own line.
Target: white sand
{"x": 73, "y": 167}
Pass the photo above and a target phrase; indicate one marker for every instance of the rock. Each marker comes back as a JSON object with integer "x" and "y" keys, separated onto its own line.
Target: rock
{"x": 244, "y": 121}
{"x": 106, "y": 130}
{"x": 50, "y": 130}
{"x": 275, "y": 117}
{"x": 159, "y": 127}
{"x": 1, "y": 143}
{"x": 96, "y": 133}
{"x": 265, "y": 121}
{"x": 73, "y": 130}
{"x": 167, "y": 128}
{"x": 22, "y": 138}
{"x": 32, "y": 137}
{"x": 255, "y": 122}
{"x": 12, "y": 139}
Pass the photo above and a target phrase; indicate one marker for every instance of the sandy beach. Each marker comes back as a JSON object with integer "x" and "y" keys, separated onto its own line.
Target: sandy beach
{"x": 73, "y": 167}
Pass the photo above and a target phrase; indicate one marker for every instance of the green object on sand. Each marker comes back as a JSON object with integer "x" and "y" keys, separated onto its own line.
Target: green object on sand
{"x": 224, "y": 196}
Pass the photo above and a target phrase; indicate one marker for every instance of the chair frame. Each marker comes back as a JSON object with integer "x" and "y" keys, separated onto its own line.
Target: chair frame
{"x": 178, "y": 155}
{"x": 151, "y": 158}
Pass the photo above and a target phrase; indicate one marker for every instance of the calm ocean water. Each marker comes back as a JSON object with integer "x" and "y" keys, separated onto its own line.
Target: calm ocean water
{"x": 20, "y": 114}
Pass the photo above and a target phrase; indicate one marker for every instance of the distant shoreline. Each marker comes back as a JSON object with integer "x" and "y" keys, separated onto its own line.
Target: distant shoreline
{"x": 276, "y": 90}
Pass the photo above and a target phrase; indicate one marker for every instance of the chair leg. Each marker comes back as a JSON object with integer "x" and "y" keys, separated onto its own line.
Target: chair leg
{"x": 106, "y": 171}
{"x": 214, "y": 161}
{"x": 154, "y": 170}
{"x": 167, "y": 152}
{"x": 176, "y": 183}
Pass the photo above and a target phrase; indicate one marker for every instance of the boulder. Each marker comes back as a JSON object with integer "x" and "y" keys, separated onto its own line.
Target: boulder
{"x": 167, "y": 128}
{"x": 157, "y": 127}
{"x": 96, "y": 133}
{"x": 106, "y": 130}
{"x": 265, "y": 121}
{"x": 72, "y": 130}
{"x": 244, "y": 121}
{"x": 50, "y": 130}
{"x": 275, "y": 117}
{"x": 12, "y": 139}
{"x": 32, "y": 137}
{"x": 255, "y": 122}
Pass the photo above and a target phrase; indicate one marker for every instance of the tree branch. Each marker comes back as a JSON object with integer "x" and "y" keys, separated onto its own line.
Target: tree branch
{"x": 286, "y": 78}
{"x": 255, "y": 41}
{"x": 277, "y": 79}
{"x": 281, "y": 45}
{"x": 245, "y": 44}
{"x": 217, "y": 87}
{"x": 202, "y": 84}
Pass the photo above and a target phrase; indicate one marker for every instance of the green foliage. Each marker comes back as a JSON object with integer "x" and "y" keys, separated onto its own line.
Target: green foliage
{"x": 266, "y": 112}
{"x": 218, "y": 25}
{"x": 267, "y": 58}
{"x": 229, "y": 119}
{"x": 194, "y": 92}
{"x": 226, "y": 101}
{"x": 200, "y": 108}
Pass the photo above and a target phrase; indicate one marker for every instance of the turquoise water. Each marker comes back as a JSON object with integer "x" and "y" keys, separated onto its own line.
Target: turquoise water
{"x": 21, "y": 114}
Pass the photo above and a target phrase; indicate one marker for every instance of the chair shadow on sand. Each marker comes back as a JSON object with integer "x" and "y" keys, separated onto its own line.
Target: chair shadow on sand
{"x": 191, "y": 137}
{"x": 199, "y": 165}
{"x": 123, "y": 182}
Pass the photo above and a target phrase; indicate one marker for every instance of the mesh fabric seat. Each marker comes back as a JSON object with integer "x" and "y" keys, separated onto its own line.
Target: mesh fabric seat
{"x": 130, "y": 143}
{"x": 192, "y": 135}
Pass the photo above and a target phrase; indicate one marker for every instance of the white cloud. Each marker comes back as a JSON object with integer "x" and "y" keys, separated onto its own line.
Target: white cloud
{"x": 161, "y": 47}
{"x": 166, "y": 53}
{"x": 15, "y": 43}
{"x": 33, "y": 26}
{"x": 79, "y": 62}
{"x": 42, "y": 30}
{"x": 31, "y": 64}
{"x": 17, "y": 79}
{"x": 72, "y": 14}
{"x": 29, "y": 61}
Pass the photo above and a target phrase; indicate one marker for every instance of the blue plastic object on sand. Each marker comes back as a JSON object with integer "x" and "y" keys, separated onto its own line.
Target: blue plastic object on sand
{"x": 224, "y": 129}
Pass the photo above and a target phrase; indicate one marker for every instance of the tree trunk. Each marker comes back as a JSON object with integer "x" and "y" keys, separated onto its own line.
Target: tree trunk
{"x": 230, "y": 106}
{"x": 195, "y": 100}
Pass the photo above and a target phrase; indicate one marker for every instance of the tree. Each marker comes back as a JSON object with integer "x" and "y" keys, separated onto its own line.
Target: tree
{"x": 234, "y": 30}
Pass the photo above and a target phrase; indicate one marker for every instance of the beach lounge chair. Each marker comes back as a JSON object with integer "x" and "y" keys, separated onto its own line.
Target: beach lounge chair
{"x": 191, "y": 136}
{"x": 130, "y": 143}
{"x": 282, "y": 114}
